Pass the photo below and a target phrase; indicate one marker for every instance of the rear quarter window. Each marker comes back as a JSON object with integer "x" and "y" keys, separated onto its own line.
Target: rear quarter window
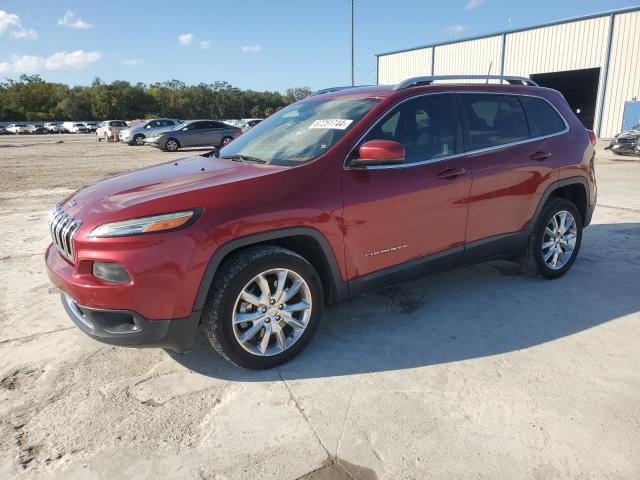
{"x": 543, "y": 118}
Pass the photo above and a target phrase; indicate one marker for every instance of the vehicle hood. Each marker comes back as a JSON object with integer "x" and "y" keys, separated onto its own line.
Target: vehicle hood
{"x": 163, "y": 188}
{"x": 629, "y": 134}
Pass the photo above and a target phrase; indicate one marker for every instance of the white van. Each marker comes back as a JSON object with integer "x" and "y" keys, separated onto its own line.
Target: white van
{"x": 75, "y": 127}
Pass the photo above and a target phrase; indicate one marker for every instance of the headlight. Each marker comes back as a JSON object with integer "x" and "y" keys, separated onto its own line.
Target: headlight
{"x": 137, "y": 226}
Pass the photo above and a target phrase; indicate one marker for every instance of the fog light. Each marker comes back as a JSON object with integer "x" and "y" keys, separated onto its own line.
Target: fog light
{"x": 111, "y": 272}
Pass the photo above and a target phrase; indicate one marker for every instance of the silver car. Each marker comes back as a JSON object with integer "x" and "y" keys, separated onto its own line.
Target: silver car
{"x": 136, "y": 134}
{"x": 195, "y": 133}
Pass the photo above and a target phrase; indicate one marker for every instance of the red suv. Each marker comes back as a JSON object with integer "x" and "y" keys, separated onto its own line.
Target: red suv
{"x": 346, "y": 191}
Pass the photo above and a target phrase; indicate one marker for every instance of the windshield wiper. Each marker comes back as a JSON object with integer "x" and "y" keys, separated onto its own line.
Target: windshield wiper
{"x": 244, "y": 158}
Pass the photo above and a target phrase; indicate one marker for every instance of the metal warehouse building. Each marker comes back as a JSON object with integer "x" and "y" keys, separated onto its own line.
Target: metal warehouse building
{"x": 593, "y": 60}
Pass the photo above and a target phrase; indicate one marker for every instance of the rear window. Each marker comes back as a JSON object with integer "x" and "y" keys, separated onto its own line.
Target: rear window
{"x": 543, "y": 118}
{"x": 117, "y": 124}
{"x": 494, "y": 120}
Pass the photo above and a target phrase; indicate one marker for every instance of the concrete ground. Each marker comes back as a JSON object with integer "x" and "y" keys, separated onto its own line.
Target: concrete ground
{"x": 478, "y": 373}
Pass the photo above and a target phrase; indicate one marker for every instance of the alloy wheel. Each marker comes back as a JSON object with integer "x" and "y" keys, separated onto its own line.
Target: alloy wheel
{"x": 272, "y": 312}
{"x": 559, "y": 240}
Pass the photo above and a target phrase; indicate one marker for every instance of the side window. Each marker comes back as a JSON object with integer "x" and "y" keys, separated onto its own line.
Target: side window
{"x": 494, "y": 120}
{"x": 427, "y": 127}
{"x": 219, "y": 125}
{"x": 543, "y": 118}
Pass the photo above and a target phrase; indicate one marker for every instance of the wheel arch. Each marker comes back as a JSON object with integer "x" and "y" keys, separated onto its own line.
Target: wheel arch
{"x": 575, "y": 189}
{"x": 305, "y": 241}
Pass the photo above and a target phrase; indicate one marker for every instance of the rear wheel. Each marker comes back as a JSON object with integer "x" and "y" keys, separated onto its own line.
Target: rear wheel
{"x": 555, "y": 241}
{"x": 263, "y": 308}
{"x": 172, "y": 145}
{"x": 225, "y": 141}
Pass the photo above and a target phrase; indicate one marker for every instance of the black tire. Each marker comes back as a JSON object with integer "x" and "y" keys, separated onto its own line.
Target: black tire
{"x": 532, "y": 259}
{"x": 232, "y": 277}
{"x": 138, "y": 140}
{"x": 172, "y": 145}
{"x": 98, "y": 138}
{"x": 225, "y": 141}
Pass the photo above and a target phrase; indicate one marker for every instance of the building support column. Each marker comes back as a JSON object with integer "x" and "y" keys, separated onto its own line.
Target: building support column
{"x": 605, "y": 77}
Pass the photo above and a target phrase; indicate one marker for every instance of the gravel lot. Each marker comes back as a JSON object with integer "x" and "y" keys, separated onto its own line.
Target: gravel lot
{"x": 478, "y": 373}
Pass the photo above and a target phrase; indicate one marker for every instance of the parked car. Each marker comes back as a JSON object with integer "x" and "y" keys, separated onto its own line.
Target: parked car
{"x": 248, "y": 123}
{"x": 626, "y": 143}
{"x": 195, "y": 133}
{"x": 343, "y": 192}
{"x": 109, "y": 129}
{"x": 3, "y": 131}
{"x": 91, "y": 126}
{"x": 75, "y": 127}
{"x": 17, "y": 128}
{"x": 53, "y": 127}
{"x": 36, "y": 129}
{"x": 135, "y": 135}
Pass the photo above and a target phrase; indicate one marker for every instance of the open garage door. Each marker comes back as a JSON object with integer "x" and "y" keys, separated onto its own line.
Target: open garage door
{"x": 579, "y": 87}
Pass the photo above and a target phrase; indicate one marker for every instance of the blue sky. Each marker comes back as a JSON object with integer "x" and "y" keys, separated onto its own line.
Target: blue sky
{"x": 263, "y": 45}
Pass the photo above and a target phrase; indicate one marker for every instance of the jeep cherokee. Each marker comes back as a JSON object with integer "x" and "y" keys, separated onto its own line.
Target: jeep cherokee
{"x": 345, "y": 191}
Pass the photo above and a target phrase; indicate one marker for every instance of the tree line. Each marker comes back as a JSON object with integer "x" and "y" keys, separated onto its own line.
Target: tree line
{"x": 30, "y": 98}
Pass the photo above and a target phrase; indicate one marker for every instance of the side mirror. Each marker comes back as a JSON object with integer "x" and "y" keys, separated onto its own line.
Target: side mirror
{"x": 379, "y": 152}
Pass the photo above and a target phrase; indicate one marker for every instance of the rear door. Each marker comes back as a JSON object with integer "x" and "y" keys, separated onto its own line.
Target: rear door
{"x": 396, "y": 213}
{"x": 514, "y": 159}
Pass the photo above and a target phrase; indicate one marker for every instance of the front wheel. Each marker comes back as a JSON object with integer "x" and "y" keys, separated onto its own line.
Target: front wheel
{"x": 138, "y": 139}
{"x": 555, "y": 241}
{"x": 264, "y": 307}
{"x": 172, "y": 145}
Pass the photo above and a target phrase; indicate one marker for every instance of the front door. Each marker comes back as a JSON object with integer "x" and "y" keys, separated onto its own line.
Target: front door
{"x": 396, "y": 213}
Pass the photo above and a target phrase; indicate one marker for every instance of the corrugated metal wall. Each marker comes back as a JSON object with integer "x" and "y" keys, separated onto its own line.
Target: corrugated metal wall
{"x": 573, "y": 45}
{"x": 624, "y": 71}
{"x": 472, "y": 57}
{"x": 569, "y": 46}
{"x": 395, "y": 68}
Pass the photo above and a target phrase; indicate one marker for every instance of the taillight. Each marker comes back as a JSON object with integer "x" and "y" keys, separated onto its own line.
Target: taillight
{"x": 109, "y": 129}
{"x": 592, "y": 137}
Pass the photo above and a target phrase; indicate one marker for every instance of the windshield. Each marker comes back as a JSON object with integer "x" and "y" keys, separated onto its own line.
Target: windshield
{"x": 300, "y": 132}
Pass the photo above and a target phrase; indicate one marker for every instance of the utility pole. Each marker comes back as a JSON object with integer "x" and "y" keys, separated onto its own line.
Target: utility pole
{"x": 352, "y": 57}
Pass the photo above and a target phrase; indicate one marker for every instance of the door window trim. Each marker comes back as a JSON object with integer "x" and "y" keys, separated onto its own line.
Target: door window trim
{"x": 464, "y": 128}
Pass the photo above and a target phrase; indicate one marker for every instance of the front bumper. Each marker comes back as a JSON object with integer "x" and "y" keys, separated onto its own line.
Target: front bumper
{"x": 625, "y": 148}
{"x": 155, "y": 143}
{"x": 127, "y": 328}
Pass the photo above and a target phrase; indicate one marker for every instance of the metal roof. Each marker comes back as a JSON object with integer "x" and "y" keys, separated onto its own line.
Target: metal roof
{"x": 515, "y": 30}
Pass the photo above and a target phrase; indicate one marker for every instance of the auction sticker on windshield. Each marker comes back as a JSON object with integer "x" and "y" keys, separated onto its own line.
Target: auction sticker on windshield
{"x": 335, "y": 123}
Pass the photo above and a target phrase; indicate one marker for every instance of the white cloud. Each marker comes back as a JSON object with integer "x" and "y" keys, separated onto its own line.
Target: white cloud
{"x": 185, "y": 39}
{"x": 25, "y": 33}
{"x": 131, "y": 62}
{"x": 58, "y": 61}
{"x": 456, "y": 29}
{"x": 70, "y": 20}
{"x": 473, "y": 4}
{"x": 11, "y": 22}
{"x": 204, "y": 45}
{"x": 251, "y": 48}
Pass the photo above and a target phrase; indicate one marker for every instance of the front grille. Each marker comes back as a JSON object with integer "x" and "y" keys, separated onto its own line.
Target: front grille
{"x": 62, "y": 227}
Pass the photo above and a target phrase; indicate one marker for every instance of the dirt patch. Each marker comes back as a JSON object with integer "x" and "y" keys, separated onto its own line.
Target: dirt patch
{"x": 20, "y": 379}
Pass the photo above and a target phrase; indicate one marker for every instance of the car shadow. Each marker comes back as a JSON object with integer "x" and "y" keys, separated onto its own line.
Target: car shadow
{"x": 484, "y": 310}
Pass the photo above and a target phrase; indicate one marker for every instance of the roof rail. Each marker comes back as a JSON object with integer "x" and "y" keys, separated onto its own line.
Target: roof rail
{"x": 420, "y": 81}
{"x": 335, "y": 89}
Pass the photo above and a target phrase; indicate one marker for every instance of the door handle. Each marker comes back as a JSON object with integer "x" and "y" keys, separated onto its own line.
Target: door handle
{"x": 540, "y": 156}
{"x": 451, "y": 173}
